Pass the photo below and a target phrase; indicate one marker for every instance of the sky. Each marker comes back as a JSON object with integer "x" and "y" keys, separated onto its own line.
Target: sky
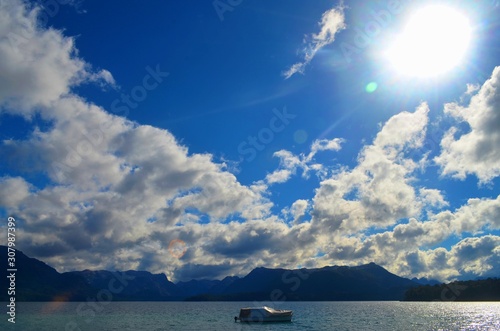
{"x": 203, "y": 139}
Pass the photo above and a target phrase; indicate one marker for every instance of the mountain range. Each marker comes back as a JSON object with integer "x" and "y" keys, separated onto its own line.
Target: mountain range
{"x": 37, "y": 281}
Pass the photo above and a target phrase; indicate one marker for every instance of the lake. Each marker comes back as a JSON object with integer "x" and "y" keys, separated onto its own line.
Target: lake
{"x": 218, "y": 316}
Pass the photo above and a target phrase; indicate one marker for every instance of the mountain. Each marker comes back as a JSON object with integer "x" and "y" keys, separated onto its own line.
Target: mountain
{"x": 204, "y": 286}
{"x": 36, "y": 281}
{"x": 132, "y": 285}
{"x": 425, "y": 281}
{"x": 366, "y": 282}
{"x": 472, "y": 290}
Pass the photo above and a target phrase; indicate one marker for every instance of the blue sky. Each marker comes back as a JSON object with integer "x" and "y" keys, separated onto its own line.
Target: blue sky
{"x": 204, "y": 139}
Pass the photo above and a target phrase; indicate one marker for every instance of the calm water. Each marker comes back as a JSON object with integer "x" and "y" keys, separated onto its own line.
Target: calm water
{"x": 218, "y": 316}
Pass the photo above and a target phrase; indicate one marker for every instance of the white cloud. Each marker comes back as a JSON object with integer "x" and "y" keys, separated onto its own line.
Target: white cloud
{"x": 112, "y": 184}
{"x": 38, "y": 65}
{"x": 404, "y": 130}
{"x": 476, "y": 216}
{"x": 279, "y": 176}
{"x": 290, "y": 163}
{"x": 406, "y": 250}
{"x": 325, "y": 145}
{"x": 14, "y": 191}
{"x": 478, "y": 151}
{"x": 477, "y": 256}
{"x": 332, "y": 21}
{"x": 472, "y": 88}
{"x": 103, "y": 77}
{"x": 378, "y": 191}
{"x": 297, "y": 212}
{"x": 401, "y": 254}
{"x": 432, "y": 197}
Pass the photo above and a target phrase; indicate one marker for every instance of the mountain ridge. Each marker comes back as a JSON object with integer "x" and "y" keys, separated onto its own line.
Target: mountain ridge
{"x": 364, "y": 282}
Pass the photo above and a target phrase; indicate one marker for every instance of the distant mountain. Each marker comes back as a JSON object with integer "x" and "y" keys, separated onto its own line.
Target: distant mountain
{"x": 204, "y": 286}
{"x": 472, "y": 290}
{"x": 426, "y": 281}
{"x": 366, "y": 282}
{"x": 132, "y": 285}
{"x": 37, "y": 281}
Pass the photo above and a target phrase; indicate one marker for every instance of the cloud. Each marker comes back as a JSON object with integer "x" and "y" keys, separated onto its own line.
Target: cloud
{"x": 325, "y": 145}
{"x": 297, "y": 211}
{"x": 290, "y": 163}
{"x": 476, "y": 152}
{"x": 104, "y": 78}
{"x": 469, "y": 258}
{"x": 472, "y": 88}
{"x": 378, "y": 191}
{"x": 408, "y": 248}
{"x": 432, "y": 197}
{"x": 478, "y": 256}
{"x": 38, "y": 65}
{"x": 279, "y": 176}
{"x": 15, "y": 190}
{"x": 332, "y": 21}
{"x": 111, "y": 184}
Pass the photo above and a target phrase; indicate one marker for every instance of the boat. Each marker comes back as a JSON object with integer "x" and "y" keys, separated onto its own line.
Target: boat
{"x": 264, "y": 314}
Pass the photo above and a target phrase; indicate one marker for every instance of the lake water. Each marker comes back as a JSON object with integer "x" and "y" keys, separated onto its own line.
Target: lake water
{"x": 219, "y": 316}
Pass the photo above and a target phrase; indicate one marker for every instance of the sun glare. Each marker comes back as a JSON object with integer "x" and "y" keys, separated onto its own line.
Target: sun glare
{"x": 433, "y": 42}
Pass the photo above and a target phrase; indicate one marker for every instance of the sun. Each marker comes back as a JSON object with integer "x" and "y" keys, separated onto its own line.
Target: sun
{"x": 433, "y": 42}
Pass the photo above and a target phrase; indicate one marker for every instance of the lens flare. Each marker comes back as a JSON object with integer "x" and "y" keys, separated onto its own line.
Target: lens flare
{"x": 371, "y": 87}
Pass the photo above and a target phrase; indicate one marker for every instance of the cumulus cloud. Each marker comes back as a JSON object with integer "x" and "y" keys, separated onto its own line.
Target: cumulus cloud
{"x": 408, "y": 249}
{"x": 476, "y": 152}
{"x": 14, "y": 191}
{"x": 472, "y": 88}
{"x": 477, "y": 256}
{"x": 332, "y": 21}
{"x": 279, "y": 176}
{"x": 38, "y": 65}
{"x": 115, "y": 188}
{"x": 112, "y": 184}
{"x": 432, "y": 197}
{"x": 469, "y": 258}
{"x": 378, "y": 191}
{"x": 290, "y": 163}
{"x": 297, "y": 211}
